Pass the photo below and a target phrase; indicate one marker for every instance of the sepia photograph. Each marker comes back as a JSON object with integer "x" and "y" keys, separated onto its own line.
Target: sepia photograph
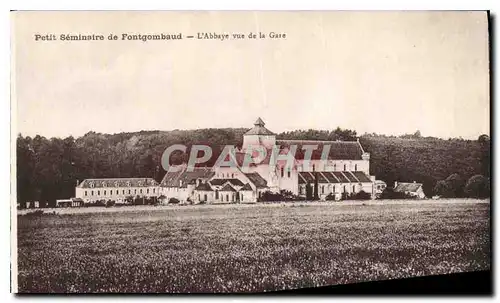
{"x": 250, "y": 151}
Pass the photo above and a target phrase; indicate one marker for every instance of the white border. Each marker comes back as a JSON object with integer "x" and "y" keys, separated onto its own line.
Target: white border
{"x": 188, "y": 5}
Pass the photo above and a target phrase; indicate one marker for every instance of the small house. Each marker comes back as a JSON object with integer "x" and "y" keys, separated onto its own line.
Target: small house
{"x": 413, "y": 189}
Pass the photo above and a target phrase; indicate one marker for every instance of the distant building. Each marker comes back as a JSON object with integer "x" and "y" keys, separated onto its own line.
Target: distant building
{"x": 92, "y": 190}
{"x": 379, "y": 187}
{"x": 345, "y": 170}
{"x": 71, "y": 202}
{"x": 413, "y": 189}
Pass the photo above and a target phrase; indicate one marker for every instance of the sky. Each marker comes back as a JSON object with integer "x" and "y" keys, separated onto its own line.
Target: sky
{"x": 382, "y": 72}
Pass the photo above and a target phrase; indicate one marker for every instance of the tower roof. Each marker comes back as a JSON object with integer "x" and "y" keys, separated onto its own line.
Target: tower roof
{"x": 259, "y": 129}
{"x": 259, "y": 122}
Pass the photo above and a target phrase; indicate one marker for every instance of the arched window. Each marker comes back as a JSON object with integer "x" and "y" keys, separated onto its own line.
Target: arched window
{"x": 334, "y": 166}
{"x": 314, "y": 169}
{"x": 354, "y": 188}
{"x": 282, "y": 172}
{"x": 355, "y": 167}
{"x": 345, "y": 167}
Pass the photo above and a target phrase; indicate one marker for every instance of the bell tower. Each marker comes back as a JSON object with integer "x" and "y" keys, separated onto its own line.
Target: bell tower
{"x": 259, "y": 135}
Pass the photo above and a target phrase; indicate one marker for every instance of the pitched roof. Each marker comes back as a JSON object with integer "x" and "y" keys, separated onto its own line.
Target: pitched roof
{"x": 259, "y": 129}
{"x": 246, "y": 187}
{"x": 259, "y": 122}
{"x": 117, "y": 182}
{"x": 339, "y": 150}
{"x": 219, "y": 182}
{"x": 203, "y": 187}
{"x": 407, "y": 187}
{"x": 361, "y": 176}
{"x": 334, "y": 177}
{"x": 183, "y": 177}
{"x": 257, "y": 179}
{"x": 228, "y": 187}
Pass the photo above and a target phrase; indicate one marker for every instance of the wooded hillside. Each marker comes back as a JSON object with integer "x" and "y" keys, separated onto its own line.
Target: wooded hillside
{"x": 48, "y": 169}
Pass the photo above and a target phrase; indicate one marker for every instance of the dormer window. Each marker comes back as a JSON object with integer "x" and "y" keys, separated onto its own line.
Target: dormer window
{"x": 103, "y": 184}
{"x": 116, "y": 183}
{"x": 128, "y": 183}
{"x": 92, "y": 184}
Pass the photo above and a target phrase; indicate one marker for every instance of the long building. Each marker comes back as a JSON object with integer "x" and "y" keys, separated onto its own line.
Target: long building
{"x": 118, "y": 189}
{"x": 343, "y": 169}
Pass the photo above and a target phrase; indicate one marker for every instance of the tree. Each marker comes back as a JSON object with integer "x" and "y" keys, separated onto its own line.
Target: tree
{"x": 444, "y": 188}
{"x": 478, "y": 186}
{"x": 457, "y": 185}
{"x": 309, "y": 194}
{"x": 316, "y": 186}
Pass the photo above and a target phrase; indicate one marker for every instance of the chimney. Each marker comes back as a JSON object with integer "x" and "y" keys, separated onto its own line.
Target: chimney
{"x": 414, "y": 181}
{"x": 395, "y": 184}
{"x": 77, "y": 182}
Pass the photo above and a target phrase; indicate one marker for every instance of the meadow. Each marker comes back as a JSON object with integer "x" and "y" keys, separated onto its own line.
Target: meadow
{"x": 248, "y": 248}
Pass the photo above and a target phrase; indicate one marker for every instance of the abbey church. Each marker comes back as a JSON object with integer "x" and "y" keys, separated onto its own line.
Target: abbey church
{"x": 339, "y": 166}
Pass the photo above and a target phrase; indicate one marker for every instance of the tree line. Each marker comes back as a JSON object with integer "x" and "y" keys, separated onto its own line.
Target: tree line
{"x": 49, "y": 168}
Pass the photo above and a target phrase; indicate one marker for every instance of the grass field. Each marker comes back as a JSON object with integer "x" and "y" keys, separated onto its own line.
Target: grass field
{"x": 247, "y": 248}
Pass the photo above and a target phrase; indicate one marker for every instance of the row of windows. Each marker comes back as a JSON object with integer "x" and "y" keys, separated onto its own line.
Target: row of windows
{"x": 111, "y": 192}
{"x": 226, "y": 175}
{"x": 335, "y": 167}
{"x": 314, "y": 169}
{"x": 116, "y": 184}
{"x": 287, "y": 171}
{"x": 302, "y": 189}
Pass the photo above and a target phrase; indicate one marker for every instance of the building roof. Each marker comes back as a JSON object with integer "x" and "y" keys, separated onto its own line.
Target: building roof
{"x": 257, "y": 179}
{"x": 247, "y": 187}
{"x": 334, "y": 177}
{"x": 182, "y": 177}
{"x": 259, "y": 129}
{"x": 407, "y": 187}
{"x": 203, "y": 187}
{"x": 228, "y": 187}
{"x": 117, "y": 182}
{"x": 361, "y": 176}
{"x": 339, "y": 150}
{"x": 233, "y": 181}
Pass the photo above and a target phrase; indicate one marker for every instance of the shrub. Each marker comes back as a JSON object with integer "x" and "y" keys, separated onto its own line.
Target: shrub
{"x": 362, "y": 195}
{"x": 35, "y": 213}
{"x": 173, "y": 201}
{"x": 477, "y": 186}
{"x": 110, "y": 203}
{"x": 389, "y": 193}
{"x": 283, "y": 195}
{"x": 330, "y": 197}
